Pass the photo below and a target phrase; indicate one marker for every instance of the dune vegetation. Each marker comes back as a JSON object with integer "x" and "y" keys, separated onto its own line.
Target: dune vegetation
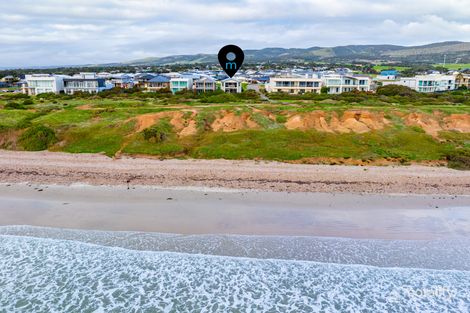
{"x": 390, "y": 127}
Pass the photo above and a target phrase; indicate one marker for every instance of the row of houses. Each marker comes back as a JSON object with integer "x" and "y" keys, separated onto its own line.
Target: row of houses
{"x": 292, "y": 82}
{"x": 92, "y": 83}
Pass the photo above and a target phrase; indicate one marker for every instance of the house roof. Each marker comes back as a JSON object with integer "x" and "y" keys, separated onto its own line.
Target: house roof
{"x": 231, "y": 80}
{"x": 159, "y": 79}
{"x": 144, "y": 76}
{"x": 208, "y": 79}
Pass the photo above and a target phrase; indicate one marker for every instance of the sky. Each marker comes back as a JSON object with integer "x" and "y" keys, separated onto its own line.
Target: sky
{"x": 61, "y": 32}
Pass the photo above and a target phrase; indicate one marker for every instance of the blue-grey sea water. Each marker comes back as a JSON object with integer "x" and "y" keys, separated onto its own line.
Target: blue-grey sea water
{"x": 39, "y": 274}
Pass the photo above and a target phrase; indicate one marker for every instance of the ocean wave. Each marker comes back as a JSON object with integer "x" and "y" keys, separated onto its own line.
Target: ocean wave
{"x": 446, "y": 254}
{"x": 50, "y": 275}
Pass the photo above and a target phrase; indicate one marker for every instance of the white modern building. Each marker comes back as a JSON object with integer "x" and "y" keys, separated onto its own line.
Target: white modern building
{"x": 427, "y": 83}
{"x": 181, "y": 83}
{"x": 337, "y": 83}
{"x": 84, "y": 82}
{"x": 294, "y": 85}
{"x": 43, "y": 83}
{"x": 231, "y": 85}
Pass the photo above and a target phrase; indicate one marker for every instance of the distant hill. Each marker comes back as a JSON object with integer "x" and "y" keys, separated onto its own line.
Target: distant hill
{"x": 455, "y": 51}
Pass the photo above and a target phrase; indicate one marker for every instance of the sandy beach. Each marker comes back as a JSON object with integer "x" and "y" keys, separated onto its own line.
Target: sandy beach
{"x": 85, "y": 191}
{"x": 93, "y": 169}
{"x": 213, "y": 211}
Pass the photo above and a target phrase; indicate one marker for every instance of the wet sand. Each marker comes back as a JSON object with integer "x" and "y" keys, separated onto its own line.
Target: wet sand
{"x": 94, "y": 169}
{"x": 209, "y": 211}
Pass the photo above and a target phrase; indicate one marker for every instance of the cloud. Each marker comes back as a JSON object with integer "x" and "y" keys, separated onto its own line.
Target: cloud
{"x": 57, "y": 32}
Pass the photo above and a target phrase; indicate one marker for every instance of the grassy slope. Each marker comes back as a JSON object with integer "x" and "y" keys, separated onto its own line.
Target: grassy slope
{"x": 107, "y": 126}
{"x": 456, "y": 66}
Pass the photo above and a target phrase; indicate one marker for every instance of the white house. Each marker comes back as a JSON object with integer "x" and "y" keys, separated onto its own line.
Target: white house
{"x": 427, "y": 83}
{"x": 294, "y": 84}
{"x": 181, "y": 83}
{"x": 84, "y": 82}
{"x": 43, "y": 83}
{"x": 231, "y": 85}
{"x": 337, "y": 83}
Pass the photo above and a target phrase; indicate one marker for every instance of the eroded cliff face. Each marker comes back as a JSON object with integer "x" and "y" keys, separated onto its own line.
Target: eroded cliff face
{"x": 350, "y": 121}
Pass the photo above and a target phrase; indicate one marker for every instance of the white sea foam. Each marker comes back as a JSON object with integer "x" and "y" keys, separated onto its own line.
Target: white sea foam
{"x": 430, "y": 254}
{"x": 48, "y": 275}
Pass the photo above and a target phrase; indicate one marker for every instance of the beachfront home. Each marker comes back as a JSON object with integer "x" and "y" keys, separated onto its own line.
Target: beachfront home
{"x": 338, "y": 83}
{"x": 204, "y": 84}
{"x": 121, "y": 81}
{"x": 231, "y": 85}
{"x": 427, "y": 83}
{"x": 181, "y": 83}
{"x": 462, "y": 80}
{"x": 294, "y": 85}
{"x": 157, "y": 83}
{"x": 141, "y": 79}
{"x": 387, "y": 75}
{"x": 84, "y": 82}
{"x": 43, "y": 83}
{"x": 9, "y": 80}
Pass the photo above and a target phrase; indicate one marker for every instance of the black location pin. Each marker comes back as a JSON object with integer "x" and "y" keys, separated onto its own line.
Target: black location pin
{"x": 231, "y": 59}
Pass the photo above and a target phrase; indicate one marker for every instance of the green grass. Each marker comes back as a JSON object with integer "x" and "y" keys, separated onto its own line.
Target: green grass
{"x": 455, "y": 66}
{"x": 380, "y": 68}
{"x": 96, "y": 138}
{"x": 65, "y": 118}
{"x": 106, "y": 127}
{"x": 13, "y": 118}
{"x": 280, "y": 144}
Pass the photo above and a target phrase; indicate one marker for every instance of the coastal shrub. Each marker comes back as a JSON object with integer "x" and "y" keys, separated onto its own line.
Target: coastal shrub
{"x": 219, "y": 98}
{"x": 14, "y": 106}
{"x": 264, "y": 121}
{"x": 281, "y": 119}
{"x": 395, "y": 90}
{"x": 37, "y": 138}
{"x": 159, "y": 132}
{"x": 204, "y": 120}
{"x": 28, "y": 102}
{"x": 15, "y": 96}
{"x": 248, "y": 95}
{"x": 459, "y": 159}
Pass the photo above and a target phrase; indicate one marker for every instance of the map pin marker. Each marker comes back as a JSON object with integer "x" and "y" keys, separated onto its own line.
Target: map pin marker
{"x": 231, "y": 59}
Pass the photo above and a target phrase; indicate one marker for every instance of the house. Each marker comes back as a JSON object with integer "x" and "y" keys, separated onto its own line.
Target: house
{"x": 294, "y": 85}
{"x": 84, "y": 82}
{"x": 121, "y": 81}
{"x": 338, "y": 83}
{"x": 141, "y": 79}
{"x": 462, "y": 80}
{"x": 9, "y": 80}
{"x": 429, "y": 83}
{"x": 231, "y": 85}
{"x": 204, "y": 84}
{"x": 387, "y": 75}
{"x": 156, "y": 83}
{"x": 43, "y": 83}
{"x": 181, "y": 83}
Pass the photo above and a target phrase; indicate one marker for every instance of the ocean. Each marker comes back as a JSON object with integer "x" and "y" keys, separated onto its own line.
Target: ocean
{"x": 84, "y": 274}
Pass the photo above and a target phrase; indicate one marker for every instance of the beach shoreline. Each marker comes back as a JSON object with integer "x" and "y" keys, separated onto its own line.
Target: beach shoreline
{"x": 217, "y": 211}
{"x": 95, "y": 169}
